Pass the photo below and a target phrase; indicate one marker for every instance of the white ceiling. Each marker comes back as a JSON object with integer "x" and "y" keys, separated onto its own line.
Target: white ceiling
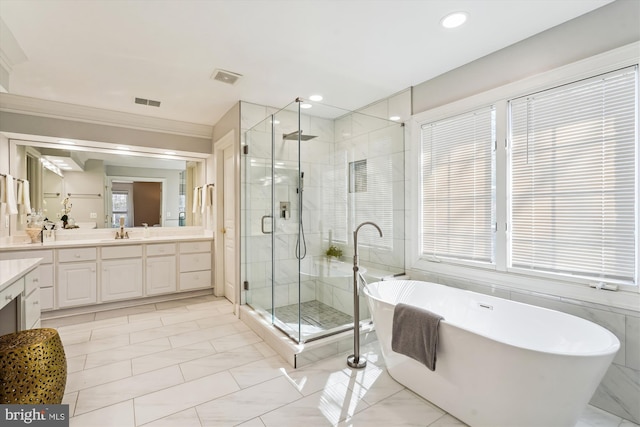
{"x": 104, "y": 53}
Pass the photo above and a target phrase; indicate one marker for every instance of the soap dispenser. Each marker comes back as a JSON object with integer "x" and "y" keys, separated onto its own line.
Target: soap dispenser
{"x": 146, "y": 230}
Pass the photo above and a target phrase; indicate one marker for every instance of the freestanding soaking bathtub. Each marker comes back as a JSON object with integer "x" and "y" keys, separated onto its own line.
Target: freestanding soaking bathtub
{"x": 499, "y": 362}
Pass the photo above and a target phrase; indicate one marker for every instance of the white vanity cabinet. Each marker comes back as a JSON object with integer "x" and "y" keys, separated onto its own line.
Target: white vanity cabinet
{"x": 79, "y": 274}
{"x": 43, "y": 278}
{"x": 121, "y": 275}
{"x": 19, "y": 295}
{"x": 77, "y": 277}
{"x": 161, "y": 269}
{"x": 195, "y": 265}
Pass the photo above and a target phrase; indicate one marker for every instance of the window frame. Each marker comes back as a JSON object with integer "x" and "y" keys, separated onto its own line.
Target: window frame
{"x": 501, "y": 277}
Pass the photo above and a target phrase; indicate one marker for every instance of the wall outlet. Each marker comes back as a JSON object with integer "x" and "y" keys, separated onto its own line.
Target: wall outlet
{"x": 168, "y": 214}
{"x": 93, "y": 215}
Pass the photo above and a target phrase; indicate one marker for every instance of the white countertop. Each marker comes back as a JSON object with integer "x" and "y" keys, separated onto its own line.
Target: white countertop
{"x": 12, "y": 269}
{"x": 104, "y": 241}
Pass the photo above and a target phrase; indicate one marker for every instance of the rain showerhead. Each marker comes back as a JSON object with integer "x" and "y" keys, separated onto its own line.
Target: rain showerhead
{"x": 294, "y": 136}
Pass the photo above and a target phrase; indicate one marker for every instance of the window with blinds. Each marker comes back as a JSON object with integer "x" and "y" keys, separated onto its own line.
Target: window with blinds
{"x": 458, "y": 187}
{"x": 573, "y": 172}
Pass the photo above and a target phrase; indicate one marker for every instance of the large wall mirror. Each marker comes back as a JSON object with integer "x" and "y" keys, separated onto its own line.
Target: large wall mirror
{"x": 101, "y": 184}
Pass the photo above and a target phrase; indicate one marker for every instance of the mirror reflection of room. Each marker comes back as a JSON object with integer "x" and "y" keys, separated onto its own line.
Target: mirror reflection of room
{"x": 102, "y": 187}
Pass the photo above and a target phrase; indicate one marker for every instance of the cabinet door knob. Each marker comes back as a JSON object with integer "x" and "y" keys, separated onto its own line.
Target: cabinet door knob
{"x": 9, "y": 297}
{"x": 77, "y": 255}
{"x": 36, "y": 280}
{"x": 36, "y": 302}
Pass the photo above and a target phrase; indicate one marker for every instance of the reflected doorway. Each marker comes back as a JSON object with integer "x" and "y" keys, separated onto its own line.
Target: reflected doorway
{"x": 138, "y": 202}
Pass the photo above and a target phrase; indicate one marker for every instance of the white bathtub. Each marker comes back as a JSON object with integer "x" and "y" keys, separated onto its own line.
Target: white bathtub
{"x": 499, "y": 362}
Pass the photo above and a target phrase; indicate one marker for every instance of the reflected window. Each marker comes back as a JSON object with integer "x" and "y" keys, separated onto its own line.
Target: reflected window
{"x": 120, "y": 207}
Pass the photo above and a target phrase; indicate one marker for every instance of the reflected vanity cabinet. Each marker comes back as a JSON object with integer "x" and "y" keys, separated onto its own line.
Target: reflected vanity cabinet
{"x": 161, "y": 269}
{"x": 195, "y": 265}
{"x": 121, "y": 273}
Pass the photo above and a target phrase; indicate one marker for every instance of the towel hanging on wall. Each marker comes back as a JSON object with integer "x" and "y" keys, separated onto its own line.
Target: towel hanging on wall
{"x": 207, "y": 197}
{"x": 23, "y": 195}
{"x": 11, "y": 195}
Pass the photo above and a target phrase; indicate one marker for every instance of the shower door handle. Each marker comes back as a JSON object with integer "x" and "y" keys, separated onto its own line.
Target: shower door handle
{"x": 262, "y": 224}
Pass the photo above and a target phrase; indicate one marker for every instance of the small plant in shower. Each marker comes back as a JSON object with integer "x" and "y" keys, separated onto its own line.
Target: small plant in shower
{"x": 333, "y": 252}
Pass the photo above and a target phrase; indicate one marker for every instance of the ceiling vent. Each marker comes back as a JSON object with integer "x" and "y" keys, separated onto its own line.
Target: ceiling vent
{"x": 225, "y": 76}
{"x": 149, "y": 102}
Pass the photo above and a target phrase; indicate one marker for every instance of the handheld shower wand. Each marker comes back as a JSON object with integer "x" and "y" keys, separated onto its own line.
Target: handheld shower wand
{"x": 301, "y": 249}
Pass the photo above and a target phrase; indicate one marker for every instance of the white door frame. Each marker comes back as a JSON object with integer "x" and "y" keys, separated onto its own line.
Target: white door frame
{"x": 220, "y": 145}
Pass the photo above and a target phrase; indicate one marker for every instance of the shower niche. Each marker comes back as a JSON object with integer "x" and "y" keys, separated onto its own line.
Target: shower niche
{"x": 310, "y": 174}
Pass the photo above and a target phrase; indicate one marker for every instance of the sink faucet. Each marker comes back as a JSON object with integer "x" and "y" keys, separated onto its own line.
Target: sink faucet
{"x": 355, "y": 361}
{"x": 122, "y": 234}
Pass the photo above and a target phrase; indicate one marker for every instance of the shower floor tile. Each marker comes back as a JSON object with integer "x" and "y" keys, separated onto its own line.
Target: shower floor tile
{"x": 315, "y": 316}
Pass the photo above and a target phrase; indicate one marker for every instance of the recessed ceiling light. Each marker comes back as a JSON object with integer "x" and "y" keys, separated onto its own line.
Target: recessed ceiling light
{"x": 315, "y": 98}
{"x": 394, "y": 118}
{"x": 454, "y": 20}
{"x": 305, "y": 106}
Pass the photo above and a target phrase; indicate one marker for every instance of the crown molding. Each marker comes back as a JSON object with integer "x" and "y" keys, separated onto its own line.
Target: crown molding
{"x": 59, "y": 110}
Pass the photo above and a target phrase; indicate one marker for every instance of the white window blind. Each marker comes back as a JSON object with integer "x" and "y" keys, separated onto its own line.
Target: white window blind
{"x": 458, "y": 187}
{"x": 573, "y": 179}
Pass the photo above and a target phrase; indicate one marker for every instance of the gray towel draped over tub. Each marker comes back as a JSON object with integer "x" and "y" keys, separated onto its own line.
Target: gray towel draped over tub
{"x": 415, "y": 333}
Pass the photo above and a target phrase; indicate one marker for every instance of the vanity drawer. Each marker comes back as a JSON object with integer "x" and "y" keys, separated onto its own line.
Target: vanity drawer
{"x": 76, "y": 254}
{"x": 11, "y": 292}
{"x": 193, "y": 247}
{"x": 110, "y": 252}
{"x": 31, "y": 282}
{"x": 161, "y": 249}
{"x": 195, "y": 262}
{"x": 195, "y": 280}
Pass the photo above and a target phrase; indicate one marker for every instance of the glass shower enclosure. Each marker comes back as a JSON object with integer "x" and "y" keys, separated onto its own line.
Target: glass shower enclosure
{"x": 310, "y": 174}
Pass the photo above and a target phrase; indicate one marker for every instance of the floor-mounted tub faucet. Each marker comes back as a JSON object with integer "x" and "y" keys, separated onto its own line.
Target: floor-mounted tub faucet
{"x": 355, "y": 361}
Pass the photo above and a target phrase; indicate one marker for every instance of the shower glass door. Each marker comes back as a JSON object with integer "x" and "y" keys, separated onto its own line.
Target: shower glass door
{"x": 257, "y": 218}
{"x": 271, "y": 218}
{"x": 286, "y": 247}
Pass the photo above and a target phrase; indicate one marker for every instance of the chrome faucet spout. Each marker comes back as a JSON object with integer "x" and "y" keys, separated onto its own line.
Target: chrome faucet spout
{"x": 122, "y": 234}
{"x": 355, "y": 361}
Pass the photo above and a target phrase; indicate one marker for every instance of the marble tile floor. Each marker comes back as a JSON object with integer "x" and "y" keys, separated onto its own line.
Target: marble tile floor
{"x": 191, "y": 362}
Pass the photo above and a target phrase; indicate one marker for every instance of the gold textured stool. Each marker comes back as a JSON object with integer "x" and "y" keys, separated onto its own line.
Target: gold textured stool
{"x": 33, "y": 367}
